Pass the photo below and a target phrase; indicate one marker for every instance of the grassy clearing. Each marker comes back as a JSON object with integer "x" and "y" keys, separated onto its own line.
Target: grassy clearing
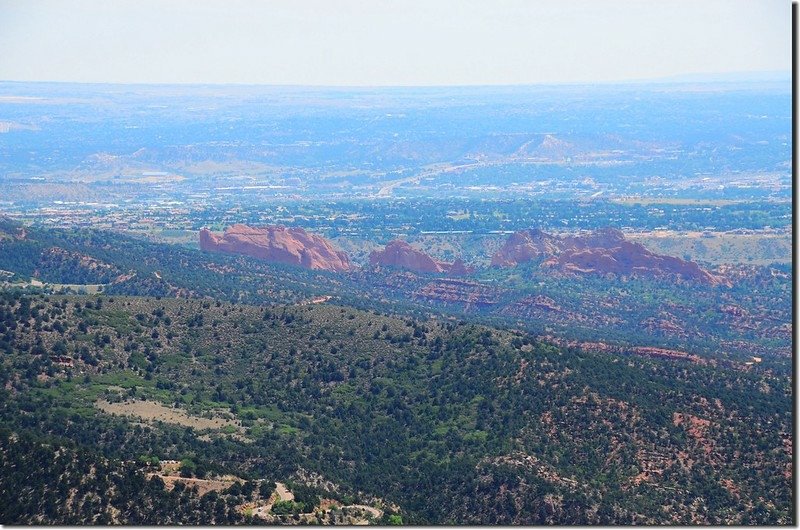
{"x": 154, "y": 411}
{"x": 760, "y": 248}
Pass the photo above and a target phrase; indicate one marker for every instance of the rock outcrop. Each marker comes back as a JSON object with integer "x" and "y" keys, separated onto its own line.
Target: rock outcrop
{"x": 643, "y": 351}
{"x": 277, "y": 244}
{"x": 526, "y": 246}
{"x": 604, "y": 251}
{"x": 458, "y": 268}
{"x": 463, "y": 293}
{"x": 399, "y": 254}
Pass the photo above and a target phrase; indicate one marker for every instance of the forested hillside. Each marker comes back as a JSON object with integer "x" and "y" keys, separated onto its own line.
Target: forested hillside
{"x": 445, "y": 421}
{"x": 48, "y": 483}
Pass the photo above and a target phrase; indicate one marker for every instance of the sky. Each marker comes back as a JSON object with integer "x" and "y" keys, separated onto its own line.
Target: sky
{"x": 389, "y": 42}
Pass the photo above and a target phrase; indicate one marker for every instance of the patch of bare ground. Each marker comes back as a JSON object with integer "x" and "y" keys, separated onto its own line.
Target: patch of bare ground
{"x": 316, "y": 300}
{"x": 203, "y": 485}
{"x": 154, "y": 411}
{"x": 329, "y": 511}
{"x": 358, "y": 511}
{"x": 169, "y": 473}
{"x": 262, "y": 508}
{"x": 328, "y": 504}
{"x": 283, "y": 492}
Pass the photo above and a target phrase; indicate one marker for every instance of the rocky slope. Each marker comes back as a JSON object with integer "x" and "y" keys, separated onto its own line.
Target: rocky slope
{"x": 604, "y": 251}
{"x": 401, "y": 255}
{"x": 293, "y": 246}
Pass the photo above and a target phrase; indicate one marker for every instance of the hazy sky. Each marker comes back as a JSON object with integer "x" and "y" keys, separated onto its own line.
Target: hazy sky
{"x": 388, "y": 42}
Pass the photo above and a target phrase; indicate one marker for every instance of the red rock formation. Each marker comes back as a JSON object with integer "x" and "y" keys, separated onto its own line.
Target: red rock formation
{"x": 607, "y": 251}
{"x": 663, "y": 353}
{"x": 399, "y": 254}
{"x": 458, "y": 268}
{"x": 546, "y": 303}
{"x": 541, "y": 307}
{"x": 461, "y": 292}
{"x": 293, "y": 246}
{"x": 604, "y": 251}
{"x": 526, "y": 246}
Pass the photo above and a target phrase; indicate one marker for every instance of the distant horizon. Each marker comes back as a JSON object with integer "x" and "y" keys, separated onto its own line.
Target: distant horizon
{"x": 763, "y": 76}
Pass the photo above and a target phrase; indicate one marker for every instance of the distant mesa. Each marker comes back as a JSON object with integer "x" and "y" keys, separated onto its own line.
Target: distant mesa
{"x": 399, "y": 254}
{"x": 277, "y": 244}
{"x": 604, "y": 251}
